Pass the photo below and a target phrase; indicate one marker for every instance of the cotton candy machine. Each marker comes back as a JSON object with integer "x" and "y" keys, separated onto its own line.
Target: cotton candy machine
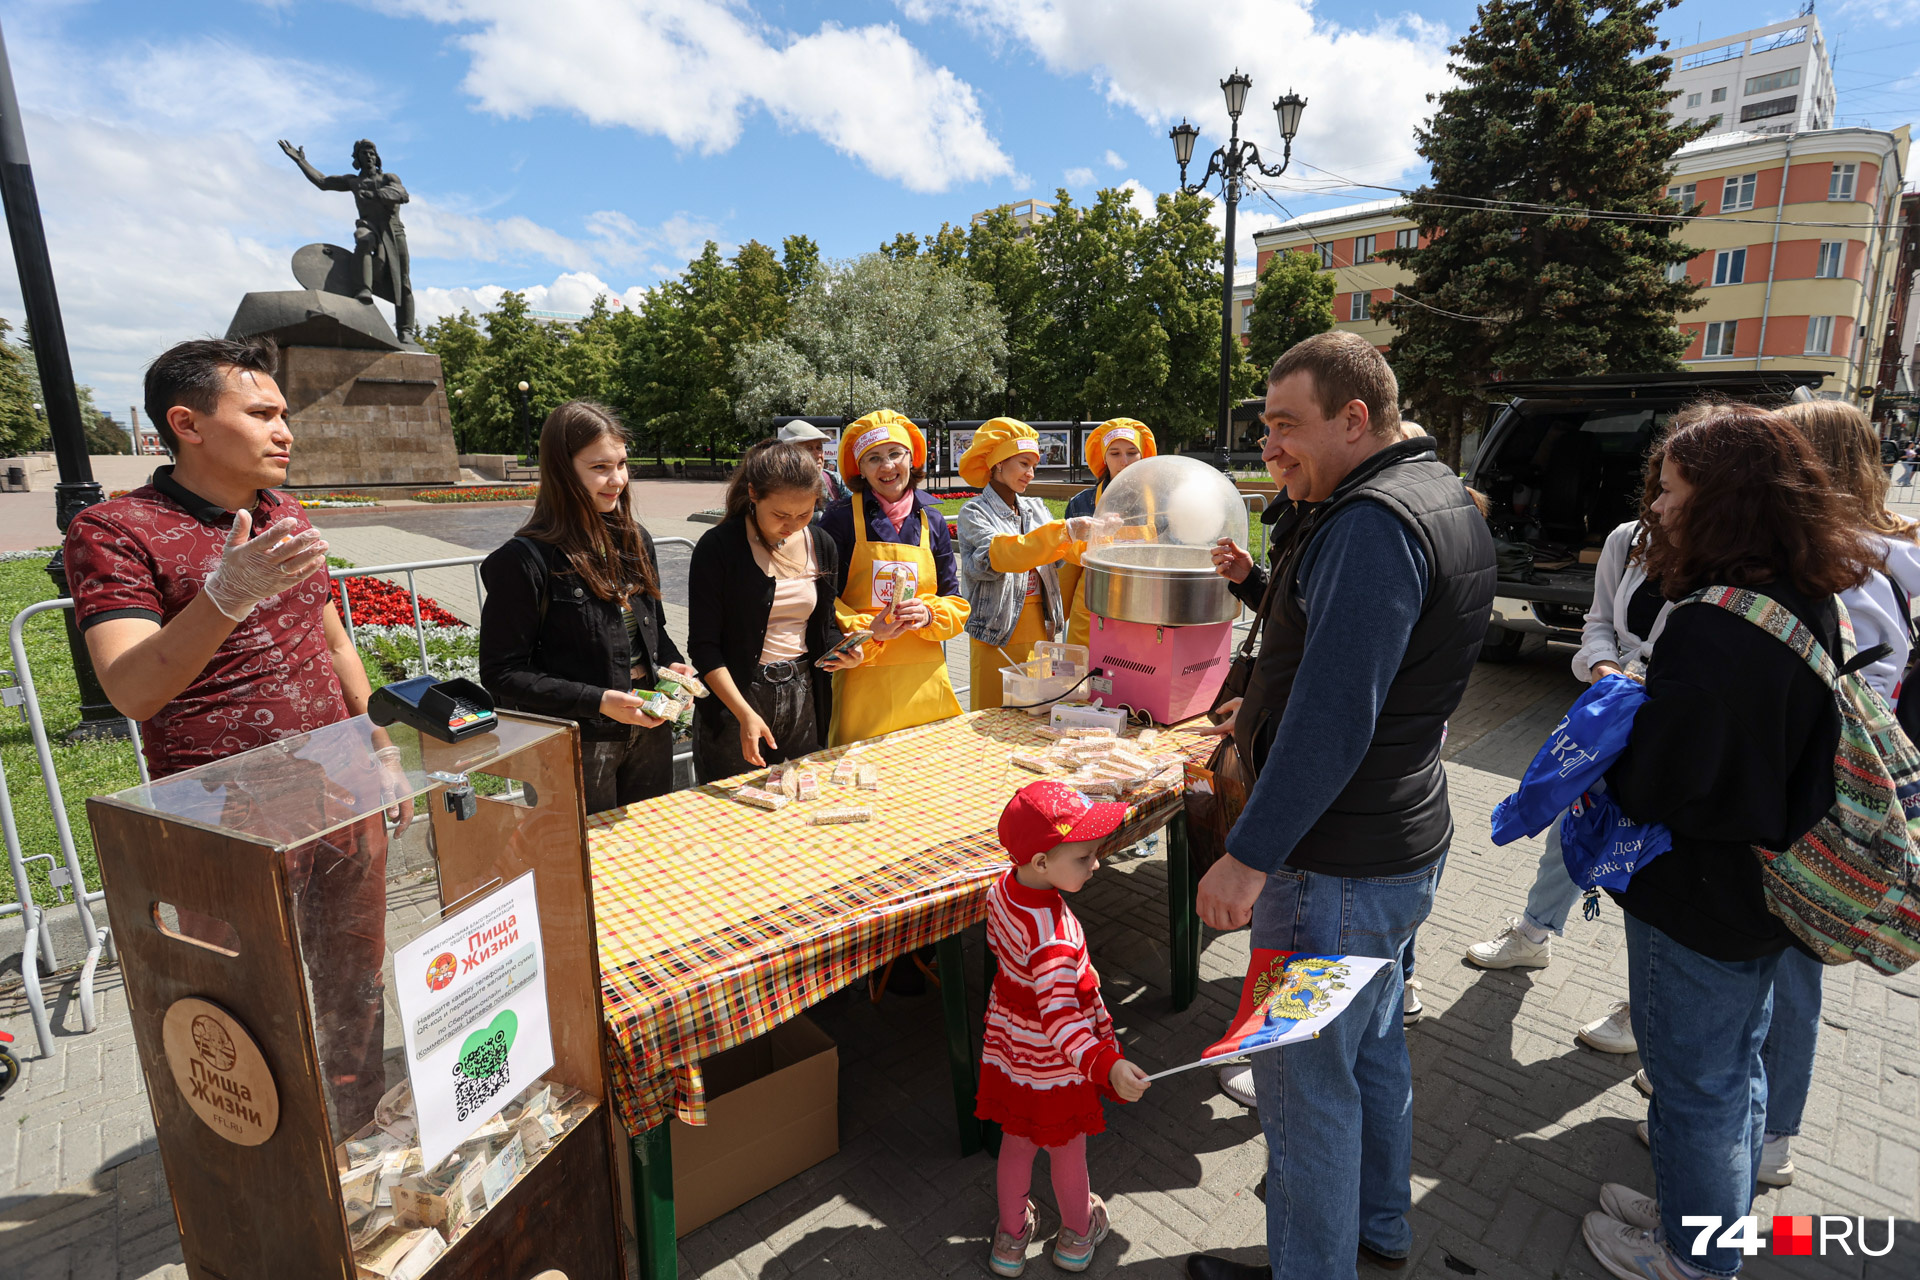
{"x": 1162, "y": 619}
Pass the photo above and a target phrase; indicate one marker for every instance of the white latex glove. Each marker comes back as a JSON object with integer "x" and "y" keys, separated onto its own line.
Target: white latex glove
{"x": 254, "y": 569}
{"x": 1090, "y": 528}
{"x": 396, "y": 790}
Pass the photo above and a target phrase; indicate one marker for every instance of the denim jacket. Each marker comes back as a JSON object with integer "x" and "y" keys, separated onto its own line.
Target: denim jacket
{"x": 997, "y": 598}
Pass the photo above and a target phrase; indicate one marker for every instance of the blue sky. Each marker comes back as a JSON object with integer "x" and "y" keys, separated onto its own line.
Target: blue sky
{"x": 569, "y": 147}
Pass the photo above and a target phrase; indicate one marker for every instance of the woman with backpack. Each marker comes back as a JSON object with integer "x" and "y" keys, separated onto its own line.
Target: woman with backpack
{"x": 1734, "y": 748}
{"x": 572, "y": 622}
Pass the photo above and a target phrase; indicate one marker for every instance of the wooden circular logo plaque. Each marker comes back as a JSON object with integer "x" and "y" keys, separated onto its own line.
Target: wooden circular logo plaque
{"x": 220, "y": 1071}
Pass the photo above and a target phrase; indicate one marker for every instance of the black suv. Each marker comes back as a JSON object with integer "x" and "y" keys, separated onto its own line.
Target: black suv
{"x": 1562, "y": 462}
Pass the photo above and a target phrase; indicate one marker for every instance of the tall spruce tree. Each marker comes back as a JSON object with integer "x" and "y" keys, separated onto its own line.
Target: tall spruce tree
{"x": 1558, "y": 121}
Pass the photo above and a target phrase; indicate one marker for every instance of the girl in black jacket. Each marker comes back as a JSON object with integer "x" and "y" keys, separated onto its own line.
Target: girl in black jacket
{"x": 1733, "y": 749}
{"x": 760, "y": 613}
{"x": 572, "y": 621}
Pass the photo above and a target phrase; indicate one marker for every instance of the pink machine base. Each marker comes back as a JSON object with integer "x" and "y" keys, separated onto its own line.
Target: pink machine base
{"x": 1171, "y": 673}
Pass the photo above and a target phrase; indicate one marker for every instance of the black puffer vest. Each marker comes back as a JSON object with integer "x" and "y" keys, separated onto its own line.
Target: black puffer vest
{"x": 1392, "y": 818}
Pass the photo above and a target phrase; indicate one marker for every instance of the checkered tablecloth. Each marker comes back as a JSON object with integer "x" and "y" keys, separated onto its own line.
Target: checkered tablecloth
{"x": 718, "y": 922}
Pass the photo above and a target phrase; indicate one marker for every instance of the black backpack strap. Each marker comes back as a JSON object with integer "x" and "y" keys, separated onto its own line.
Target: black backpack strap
{"x": 545, "y": 578}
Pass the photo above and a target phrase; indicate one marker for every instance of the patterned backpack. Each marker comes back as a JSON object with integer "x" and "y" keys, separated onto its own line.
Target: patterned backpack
{"x": 1849, "y": 888}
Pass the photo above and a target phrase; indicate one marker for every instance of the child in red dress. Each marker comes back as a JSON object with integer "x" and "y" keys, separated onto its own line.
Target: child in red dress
{"x": 1050, "y": 1051}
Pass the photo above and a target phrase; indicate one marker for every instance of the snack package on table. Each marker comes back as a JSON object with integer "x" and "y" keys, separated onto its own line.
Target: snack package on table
{"x": 866, "y": 777}
{"x": 1027, "y": 760}
{"x": 760, "y": 799}
{"x": 832, "y": 817}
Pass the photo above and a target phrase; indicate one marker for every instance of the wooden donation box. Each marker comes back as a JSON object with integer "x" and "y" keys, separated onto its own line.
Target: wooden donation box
{"x": 372, "y": 1046}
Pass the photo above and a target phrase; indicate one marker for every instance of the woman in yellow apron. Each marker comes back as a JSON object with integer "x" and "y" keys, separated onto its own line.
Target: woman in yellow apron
{"x": 1112, "y": 447}
{"x": 889, "y": 532}
{"x": 1010, "y": 549}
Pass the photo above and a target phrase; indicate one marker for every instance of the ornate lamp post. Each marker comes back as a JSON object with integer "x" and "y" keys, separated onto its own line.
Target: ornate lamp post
{"x": 526, "y": 421}
{"x": 1232, "y": 162}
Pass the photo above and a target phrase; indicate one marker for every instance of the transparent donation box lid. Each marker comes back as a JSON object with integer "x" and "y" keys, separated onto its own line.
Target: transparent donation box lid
{"x": 382, "y": 858}
{"x": 1164, "y": 515}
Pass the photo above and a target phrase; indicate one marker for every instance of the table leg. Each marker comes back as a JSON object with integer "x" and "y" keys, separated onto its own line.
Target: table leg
{"x": 960, "y": 1057}
{"x": 1183, "y": 920}
{"x": 652, "y": 1156}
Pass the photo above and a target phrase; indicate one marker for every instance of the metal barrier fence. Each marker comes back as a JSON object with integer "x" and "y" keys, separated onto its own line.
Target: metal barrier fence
{"x": 64, "y": 871}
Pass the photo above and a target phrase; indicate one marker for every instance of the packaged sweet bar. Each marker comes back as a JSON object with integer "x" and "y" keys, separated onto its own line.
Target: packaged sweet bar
{"x": 760, "y": 799}
{"x": 866, "y": 777}
{"x": 1036, "y": 764}
{"x": 806, "y": 785}
{"x": 831, "y": 817}
{"x": 677, "y": 681}
{"x": 1146, "y": 738}
{"x": 844, "y": 771}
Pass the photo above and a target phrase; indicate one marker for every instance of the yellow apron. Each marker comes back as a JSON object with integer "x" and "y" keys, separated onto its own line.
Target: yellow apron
{"x": 905, "y": 683}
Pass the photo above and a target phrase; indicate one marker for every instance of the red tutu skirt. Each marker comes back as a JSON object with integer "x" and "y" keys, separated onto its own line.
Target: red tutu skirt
{"x": 1045, "y": 1117}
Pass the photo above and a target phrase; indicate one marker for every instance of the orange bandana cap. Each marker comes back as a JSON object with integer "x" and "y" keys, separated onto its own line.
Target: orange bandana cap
{"x": 995, "y": 442}
{"x": 882, "y": 426}
{"x": 1117, "y": 429}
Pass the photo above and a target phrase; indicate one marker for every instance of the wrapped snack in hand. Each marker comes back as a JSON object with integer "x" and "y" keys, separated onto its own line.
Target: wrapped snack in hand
{"x": 681, "y": 682}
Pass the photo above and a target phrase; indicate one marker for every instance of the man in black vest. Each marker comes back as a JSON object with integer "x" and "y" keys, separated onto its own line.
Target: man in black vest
{"x": 1383, "y": 589}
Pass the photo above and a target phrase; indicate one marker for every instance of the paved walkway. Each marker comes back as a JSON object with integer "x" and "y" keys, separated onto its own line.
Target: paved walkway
{"x": 1516, "y": 1125}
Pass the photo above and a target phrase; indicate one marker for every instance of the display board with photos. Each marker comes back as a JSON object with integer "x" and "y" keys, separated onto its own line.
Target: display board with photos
{"x": 367, "y": 1003}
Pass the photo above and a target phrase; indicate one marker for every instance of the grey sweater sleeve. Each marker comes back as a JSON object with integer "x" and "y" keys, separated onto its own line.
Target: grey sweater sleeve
{"x": 1363, "y": 582}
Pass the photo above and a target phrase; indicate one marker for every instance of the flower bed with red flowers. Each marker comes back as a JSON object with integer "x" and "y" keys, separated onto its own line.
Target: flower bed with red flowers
{"x": 480, "y": 493}
{"x": 379, "y": 603}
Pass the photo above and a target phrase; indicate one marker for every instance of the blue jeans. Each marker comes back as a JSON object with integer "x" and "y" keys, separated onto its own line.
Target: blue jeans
{"x": 1791, "y": 1040}
{"x": 1554, "y": 892}
{"x": 1338, "y": 1110}
{"x": 1701, "y": 1024}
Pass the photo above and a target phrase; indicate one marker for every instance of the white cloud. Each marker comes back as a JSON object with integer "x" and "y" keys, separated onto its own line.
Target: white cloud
{"x": 162, "y": 211}
{"x": 1114, "y": 161}
{"x": 1164, "y": 59}
{"x": 1080, "y": 177}
{"x": 692, "y": 71}
{"x": 572, "y": 293}
{"x": 1141, "y": 197}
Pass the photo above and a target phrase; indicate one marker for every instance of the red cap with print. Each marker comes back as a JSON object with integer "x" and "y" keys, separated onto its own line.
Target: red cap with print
{"x": 1044, "y": 814}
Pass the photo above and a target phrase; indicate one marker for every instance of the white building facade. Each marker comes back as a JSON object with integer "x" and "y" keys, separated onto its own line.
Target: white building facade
{"x": 1773, "y": 79}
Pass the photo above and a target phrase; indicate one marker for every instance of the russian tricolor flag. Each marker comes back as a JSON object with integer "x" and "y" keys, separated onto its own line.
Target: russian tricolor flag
{"x": 1287, "y": 997}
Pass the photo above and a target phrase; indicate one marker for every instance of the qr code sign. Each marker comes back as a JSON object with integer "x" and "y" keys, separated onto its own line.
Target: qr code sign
{"x": 480, "y": 1074}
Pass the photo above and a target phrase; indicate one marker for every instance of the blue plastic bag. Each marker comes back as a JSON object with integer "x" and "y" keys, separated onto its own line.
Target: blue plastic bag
{"x": 1602, "y": 847}
{"x": 1591, "y": 736}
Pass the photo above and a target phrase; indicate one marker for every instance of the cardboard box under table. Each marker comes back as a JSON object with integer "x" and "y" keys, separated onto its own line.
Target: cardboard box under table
{"x": 720, "y": 922}
{"x": 370, "y": 1052}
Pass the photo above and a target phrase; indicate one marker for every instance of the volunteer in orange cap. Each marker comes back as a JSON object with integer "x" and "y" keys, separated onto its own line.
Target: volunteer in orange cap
{"x": 1112, "y": 447}
{"x": 1010, "y": 547}
{"x": 889, "y": 531}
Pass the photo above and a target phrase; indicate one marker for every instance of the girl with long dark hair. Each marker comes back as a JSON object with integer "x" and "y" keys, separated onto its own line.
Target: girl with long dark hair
{"x": 760, "y": 615}
{"x": 1733, "y": 749}
{"x": 572, "y": 621}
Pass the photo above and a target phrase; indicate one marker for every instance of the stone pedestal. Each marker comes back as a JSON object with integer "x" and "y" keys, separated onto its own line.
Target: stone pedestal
{"x": 365, "y": 417}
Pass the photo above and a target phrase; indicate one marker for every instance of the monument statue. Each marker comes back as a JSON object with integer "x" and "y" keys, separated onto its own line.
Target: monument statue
{"x": 379, "y": 237}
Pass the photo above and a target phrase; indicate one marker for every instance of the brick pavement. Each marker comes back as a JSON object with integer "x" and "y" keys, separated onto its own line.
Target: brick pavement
{"x": 1516, "y": 1125}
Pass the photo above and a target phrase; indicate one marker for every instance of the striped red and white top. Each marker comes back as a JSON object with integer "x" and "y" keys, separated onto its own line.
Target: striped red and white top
{"x": 1047, "y": 1028}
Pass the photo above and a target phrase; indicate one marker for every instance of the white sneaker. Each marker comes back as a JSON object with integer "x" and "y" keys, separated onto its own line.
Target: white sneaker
{"x": 1640, "y": 1130}
{"x": 1643, "y": 1082}
{"x": 1236, "y": 1081}
{"x": 1513, "y": 949}
{"x": 1626, "y": 1205}
{"x": 1776, "y": 1162}
{"x": 1627, "y": 1251}
{"x": 1611, "y": 1034}
{"x": 1410, "y": 1006}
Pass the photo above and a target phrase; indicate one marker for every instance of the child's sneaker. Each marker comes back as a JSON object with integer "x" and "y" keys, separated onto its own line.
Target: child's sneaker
{"x": 1073, "y": 1251}
{"x": 1010, "y": 1251}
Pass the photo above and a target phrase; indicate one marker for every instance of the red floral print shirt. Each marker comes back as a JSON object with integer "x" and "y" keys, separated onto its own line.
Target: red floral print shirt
{"x": 148, "y": 554}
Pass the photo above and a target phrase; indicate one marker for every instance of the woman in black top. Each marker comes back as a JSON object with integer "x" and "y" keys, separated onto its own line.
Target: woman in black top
{"x": 572, "y": 621}
{"x": 760, "y": 613}
{"x": 1733, "y": 749}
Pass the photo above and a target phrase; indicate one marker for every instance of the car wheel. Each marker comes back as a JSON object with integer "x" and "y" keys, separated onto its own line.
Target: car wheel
{"x": 1501, "y": 645}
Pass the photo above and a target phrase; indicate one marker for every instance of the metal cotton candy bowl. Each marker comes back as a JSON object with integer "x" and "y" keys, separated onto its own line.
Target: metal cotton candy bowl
{"x": 1153, "y": 561}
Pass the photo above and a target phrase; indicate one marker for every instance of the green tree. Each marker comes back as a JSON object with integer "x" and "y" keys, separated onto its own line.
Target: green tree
{"x": 520, "y": 348}
{"x": 903, "y": 333}
{"x": 460, "y": 343}
{"x": 1086, "y": 335}
{"x": 799, "y": 264}
{"x": 1558, "y": 122}
{"x": 1008, "y": 264}
{"x": 20, "y": 428}
{"x": 1178, "y": 283}
{"x": 1293, "y": 300}
{"x": 904, "y": 245}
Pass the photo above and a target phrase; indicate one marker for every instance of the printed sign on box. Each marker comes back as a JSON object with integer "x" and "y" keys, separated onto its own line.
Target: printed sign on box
{"x": 473, "y": 1002}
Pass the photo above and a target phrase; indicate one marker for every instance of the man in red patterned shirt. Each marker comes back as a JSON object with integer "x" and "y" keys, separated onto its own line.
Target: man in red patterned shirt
{"x": 219, "y": 642}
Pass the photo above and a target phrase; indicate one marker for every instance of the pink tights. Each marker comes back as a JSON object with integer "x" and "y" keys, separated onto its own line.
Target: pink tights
{"x": 1070, "y": 1188}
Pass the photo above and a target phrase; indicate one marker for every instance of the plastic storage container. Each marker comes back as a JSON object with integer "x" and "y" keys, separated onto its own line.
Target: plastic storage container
{"x": 1054, "y": 671}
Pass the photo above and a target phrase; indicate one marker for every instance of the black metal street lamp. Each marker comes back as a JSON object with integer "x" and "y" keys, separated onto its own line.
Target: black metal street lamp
{"x": 526, "y": 421}
{"x": 1232, "y": 162}
{"x": 76, "y": 489}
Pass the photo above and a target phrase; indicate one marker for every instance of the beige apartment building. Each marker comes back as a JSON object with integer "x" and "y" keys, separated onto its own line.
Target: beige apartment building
{"x": 1795, "y": 232}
